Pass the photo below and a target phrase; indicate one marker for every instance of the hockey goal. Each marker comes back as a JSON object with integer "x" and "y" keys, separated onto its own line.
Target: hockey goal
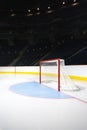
{"x": 53, "y": 74}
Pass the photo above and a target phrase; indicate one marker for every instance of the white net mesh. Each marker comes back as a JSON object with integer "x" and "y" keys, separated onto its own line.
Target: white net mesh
{"x": 52, "y": 77}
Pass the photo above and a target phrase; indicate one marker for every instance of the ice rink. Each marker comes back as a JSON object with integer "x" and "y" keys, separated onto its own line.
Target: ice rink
{"x": 20, "y": 112}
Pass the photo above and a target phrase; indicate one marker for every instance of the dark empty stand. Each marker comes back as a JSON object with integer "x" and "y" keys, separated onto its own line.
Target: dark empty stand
{"x": 24, "y": 54}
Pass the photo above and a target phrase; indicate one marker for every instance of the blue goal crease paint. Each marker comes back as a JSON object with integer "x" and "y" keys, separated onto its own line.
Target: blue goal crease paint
{"x": 35, "y": 89}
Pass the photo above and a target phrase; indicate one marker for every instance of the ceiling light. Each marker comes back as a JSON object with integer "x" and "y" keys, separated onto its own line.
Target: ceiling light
{"x": 29, "y": 10}
{"x": 13, "y": 14}
{"x": 38, "y": 9}
{"x": 74, "y": 0}
{"x": 75, "y": 4}
{"x": 29, "y": 13}
{"x": 64, "y": 2}
{"x": 49, "y": 7}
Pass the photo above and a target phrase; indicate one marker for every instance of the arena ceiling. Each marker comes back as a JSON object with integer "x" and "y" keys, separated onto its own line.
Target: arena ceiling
{"x": 56, "y": 19}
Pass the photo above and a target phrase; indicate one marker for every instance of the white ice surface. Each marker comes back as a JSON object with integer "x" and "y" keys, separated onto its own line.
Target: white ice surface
{"x": 18, "y": 112}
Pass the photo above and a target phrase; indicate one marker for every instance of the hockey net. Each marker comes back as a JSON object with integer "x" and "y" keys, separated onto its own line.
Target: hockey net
{"x": 53, "y": 73}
